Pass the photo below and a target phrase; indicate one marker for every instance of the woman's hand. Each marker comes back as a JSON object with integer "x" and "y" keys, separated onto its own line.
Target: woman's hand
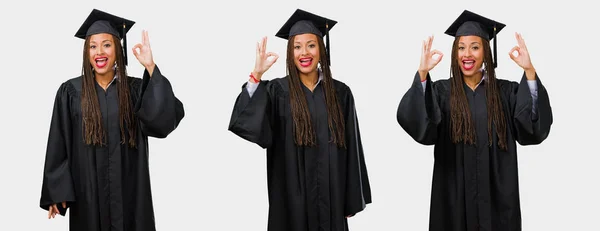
{"x": 53, "y": 210}
{"x": 144, "y": 55}
{"x": 522, "y": 59}
{"x": 427, "y": 60}
{"x": 264, "y": 60}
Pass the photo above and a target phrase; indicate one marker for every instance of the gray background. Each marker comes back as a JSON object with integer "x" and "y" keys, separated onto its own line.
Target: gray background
{"x": 206, "y": 178}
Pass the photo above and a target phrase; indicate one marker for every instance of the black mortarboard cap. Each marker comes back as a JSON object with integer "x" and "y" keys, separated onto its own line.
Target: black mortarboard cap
{"x": 302, "y": 22}
{"x": 101, "y": 22}
{"x": 469, "y": 23}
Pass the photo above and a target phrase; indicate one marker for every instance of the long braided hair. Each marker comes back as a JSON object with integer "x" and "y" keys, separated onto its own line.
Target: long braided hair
{"x": 304, "y": 134}
{"x": 461, "y": 122}
{"x": 93, "y": 132}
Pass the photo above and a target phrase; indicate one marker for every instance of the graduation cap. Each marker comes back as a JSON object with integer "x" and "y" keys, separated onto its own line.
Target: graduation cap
{"x": 302, "y": 22}
{"x": 101, "y": 22}
{"x": 469, "y": 23}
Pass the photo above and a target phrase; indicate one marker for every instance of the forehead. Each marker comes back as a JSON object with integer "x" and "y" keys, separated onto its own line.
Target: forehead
{"x": 469, "y": 39}
{"x": 101, "y": 37}
{"x": 302, "y": 38}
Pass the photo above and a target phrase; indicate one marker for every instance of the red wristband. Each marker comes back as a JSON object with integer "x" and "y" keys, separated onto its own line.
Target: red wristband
{"x": 254, "y": 78}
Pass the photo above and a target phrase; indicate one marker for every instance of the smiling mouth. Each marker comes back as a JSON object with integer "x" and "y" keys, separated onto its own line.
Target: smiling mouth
{"x": 305, "y": 62}
{"x": 101, "y": 62}
{"x": 468, "y": 64}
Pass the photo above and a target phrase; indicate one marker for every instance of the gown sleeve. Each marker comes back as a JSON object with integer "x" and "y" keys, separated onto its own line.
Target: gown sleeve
{"x": 358, "y": 190}
{"x": 57, "y": 183}
{"x": 530, "y": 127}
{"x": 158, "y": 110}
{"x": 251, "y": 118}
{"x": 419, "y": 113}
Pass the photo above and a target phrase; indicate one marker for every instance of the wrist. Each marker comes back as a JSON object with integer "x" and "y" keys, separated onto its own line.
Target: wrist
{"x": 530, "y": 73}
{"x": 254, "y": 77}
{"x": 257, "y": 75}
{"x": 423, "y": 75}
{"x": 150, "y": 67}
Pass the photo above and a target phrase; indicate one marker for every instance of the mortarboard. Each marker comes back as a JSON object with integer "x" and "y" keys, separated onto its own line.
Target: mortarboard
{"x": 469, "y": 23}
{"x": 302, "y": 22}
{"x": 101, "y": 22}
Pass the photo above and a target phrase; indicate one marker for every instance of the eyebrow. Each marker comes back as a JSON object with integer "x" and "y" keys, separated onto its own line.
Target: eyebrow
{"x": 106, "y": 40}
{"x": 307, "y": 42}
{"x": 462, "y": 43}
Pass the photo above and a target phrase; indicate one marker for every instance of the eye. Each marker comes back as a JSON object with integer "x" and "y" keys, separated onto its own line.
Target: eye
{"x": 107, "y": 45}
{"x": 312, "y": 45}
{"x": 475, "y": 48}
{"x": 461, "y": 48}
{"x": 93, "y": 46}
{"x": 296, "y": 47}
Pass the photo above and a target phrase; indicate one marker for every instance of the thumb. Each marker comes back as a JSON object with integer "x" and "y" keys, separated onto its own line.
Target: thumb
{"x": 64, "y": 204}
{"x": 439, "y": 54}
{"x": 512, "y": 56}
{"x": 272, "y": 58}
{"x": 135, "y": 49}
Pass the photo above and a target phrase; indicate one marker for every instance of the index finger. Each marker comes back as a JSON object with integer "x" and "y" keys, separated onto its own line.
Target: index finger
{"x": 521, "y": 41}
{"x": 430, "y": 42}
{"x": 146, "y": 39}
{"x": 257, "y": 48}
{"x": 264, "y": 44}
{"x": 53, "y": 210}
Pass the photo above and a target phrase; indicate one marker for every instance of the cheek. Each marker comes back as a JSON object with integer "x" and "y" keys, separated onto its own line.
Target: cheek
{"x": 315, "y": 53}
{"x": 296, "y": 54}
{"x": 91, "y": 56}
{"x": 111, "y": 55}
{"x": 479, "y": 55}
{"x": 110, "y": 52}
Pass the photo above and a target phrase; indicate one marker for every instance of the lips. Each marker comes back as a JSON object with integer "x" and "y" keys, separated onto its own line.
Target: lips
{"x": 305, "y": 62}
{"x": 468, "y": 64}
{"x": 101, "y": 62}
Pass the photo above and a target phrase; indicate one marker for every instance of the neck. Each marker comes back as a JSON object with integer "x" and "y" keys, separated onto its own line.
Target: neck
{"x": 310, "y": 80}
{"x": 104, "y": 79}
{"x": 473, "y": 80}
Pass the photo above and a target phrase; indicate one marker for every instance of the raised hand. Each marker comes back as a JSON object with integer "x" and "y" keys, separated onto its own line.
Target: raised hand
{"x": 264, "y": 60}
{"x": 53, "y": 210}
{"x": 427, "y": 60}
{"x": 522, "y": 59}
{"x": 144, "y": 55}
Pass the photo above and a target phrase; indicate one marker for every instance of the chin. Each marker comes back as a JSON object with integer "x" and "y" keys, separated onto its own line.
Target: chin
{"x": 468, "y": 73}
{"x": 471, "y": 72}
{"x": 101, "y": 71}
{"x": 307, "y": 70}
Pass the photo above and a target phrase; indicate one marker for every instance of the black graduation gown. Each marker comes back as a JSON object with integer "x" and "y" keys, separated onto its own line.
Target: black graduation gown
{"x": 309, "y": 188}
{"x": 107, "y": 187}
{"x": 475, "y": 187}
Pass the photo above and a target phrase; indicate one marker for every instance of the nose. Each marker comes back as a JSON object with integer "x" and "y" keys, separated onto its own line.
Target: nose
{"x": 100, "y": 50}
{"x": 304, "y": 51}
{"x": 468, "y": 52}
